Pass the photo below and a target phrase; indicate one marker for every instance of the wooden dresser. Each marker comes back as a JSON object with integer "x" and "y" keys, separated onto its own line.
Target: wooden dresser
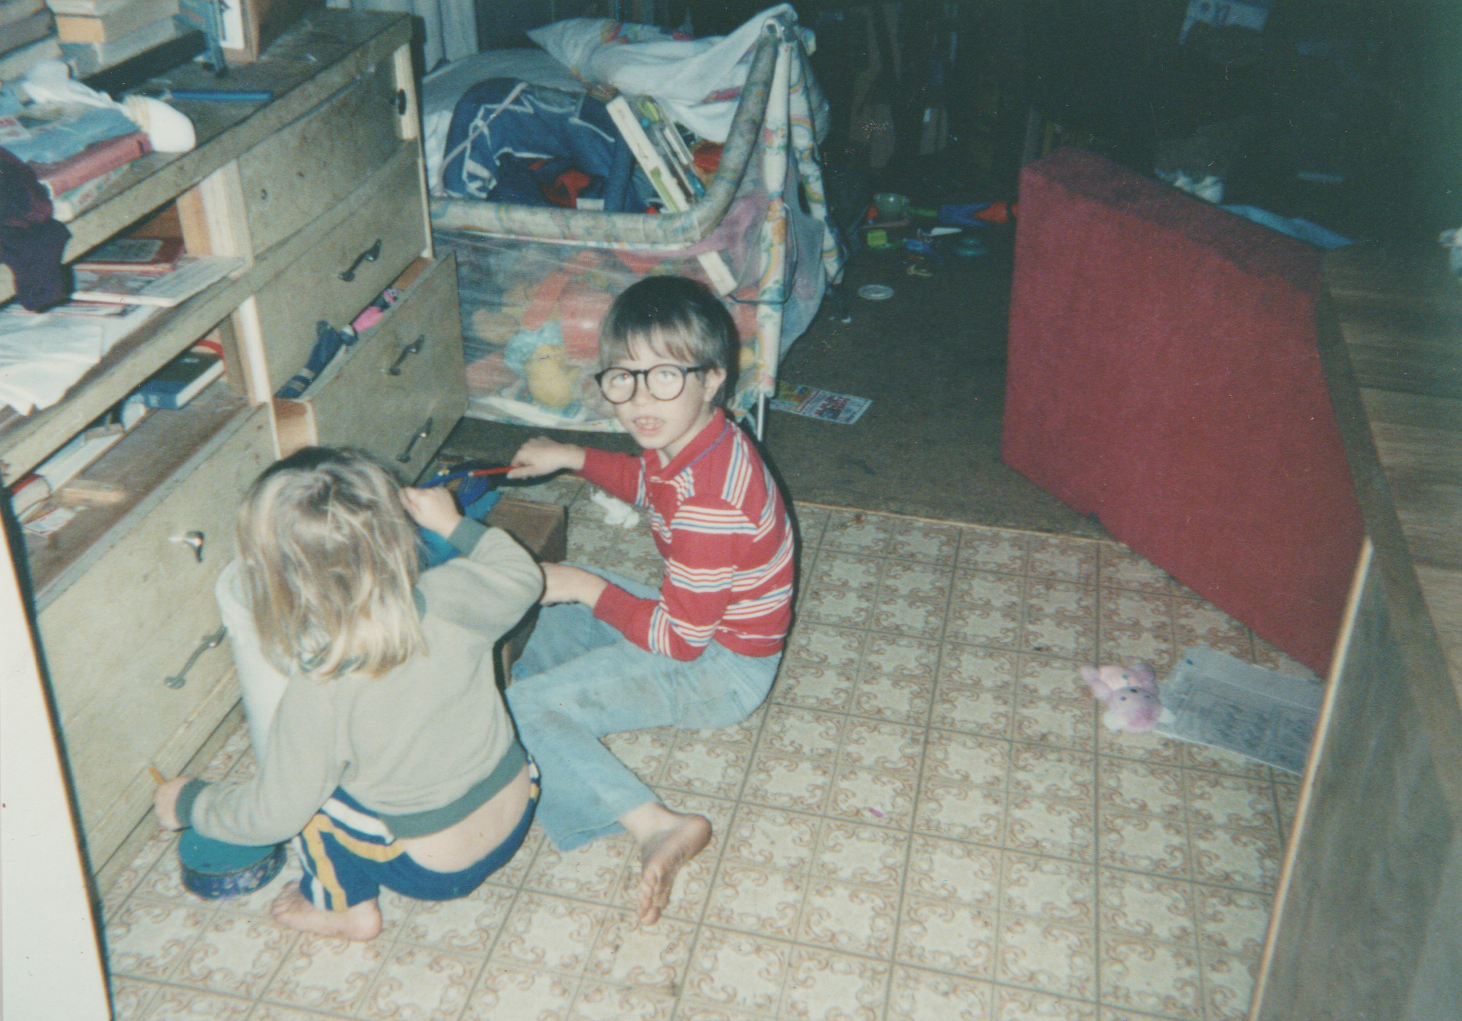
{"x": 320, "y": 191}
{"x": 1366, "y": 917}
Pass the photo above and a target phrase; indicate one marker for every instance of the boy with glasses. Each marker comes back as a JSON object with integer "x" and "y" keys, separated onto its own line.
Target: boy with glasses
{"x": 610, "y": 655}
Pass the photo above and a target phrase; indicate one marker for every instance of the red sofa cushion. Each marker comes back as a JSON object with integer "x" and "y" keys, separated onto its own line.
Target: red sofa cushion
{"x": 1164, "y": 376}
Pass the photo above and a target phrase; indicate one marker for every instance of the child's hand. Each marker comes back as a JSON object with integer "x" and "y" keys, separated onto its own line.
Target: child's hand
{"x": 434, "y": 509}
{"x": 165, "y": 801}
{"x": 565, "y": 584}
{"x": 541, "y": 456}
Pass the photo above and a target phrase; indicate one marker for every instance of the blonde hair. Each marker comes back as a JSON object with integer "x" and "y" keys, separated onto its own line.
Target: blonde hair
{"x": 330, "y": 561}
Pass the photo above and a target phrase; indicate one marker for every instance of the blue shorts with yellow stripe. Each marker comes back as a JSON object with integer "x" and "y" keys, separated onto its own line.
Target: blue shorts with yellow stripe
{"x": 348, "y": 854}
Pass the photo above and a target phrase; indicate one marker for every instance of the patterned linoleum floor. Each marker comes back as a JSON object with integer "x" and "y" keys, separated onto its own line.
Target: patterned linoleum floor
{"x": 925, "y": 821}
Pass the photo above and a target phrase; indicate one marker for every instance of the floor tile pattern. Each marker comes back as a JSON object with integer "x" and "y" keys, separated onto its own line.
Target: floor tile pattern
{"x": 925, "y": 822}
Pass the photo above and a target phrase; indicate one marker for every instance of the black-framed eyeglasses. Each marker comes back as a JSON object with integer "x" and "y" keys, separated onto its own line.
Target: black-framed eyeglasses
{"x": 662, "y": 382}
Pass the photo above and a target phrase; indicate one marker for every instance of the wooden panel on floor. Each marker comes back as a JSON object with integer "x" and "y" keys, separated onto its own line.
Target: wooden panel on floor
{"x": 1365, "y": 919}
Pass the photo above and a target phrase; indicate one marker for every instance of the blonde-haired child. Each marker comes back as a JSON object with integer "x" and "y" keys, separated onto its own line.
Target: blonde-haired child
{"x": 386, "y": 753}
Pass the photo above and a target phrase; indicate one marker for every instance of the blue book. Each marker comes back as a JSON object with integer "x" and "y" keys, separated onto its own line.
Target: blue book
{"x": 180, "y": 380}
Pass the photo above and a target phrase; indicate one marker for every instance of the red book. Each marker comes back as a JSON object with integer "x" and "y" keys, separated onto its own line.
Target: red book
{"x": 93, "y": 161}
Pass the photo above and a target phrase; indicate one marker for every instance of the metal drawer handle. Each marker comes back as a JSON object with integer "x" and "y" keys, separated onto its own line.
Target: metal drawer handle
{"x": 414, "y": 348}
{"x": 400, "y": 101}
{"x": 212, "y": 641}
{"x": 194, "y": 540}
{"x": 421, "y": 434}
{"x": 371, "y": 254}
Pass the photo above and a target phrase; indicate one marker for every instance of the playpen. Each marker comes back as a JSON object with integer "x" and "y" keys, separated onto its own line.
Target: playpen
{"x": 534, "y": 280}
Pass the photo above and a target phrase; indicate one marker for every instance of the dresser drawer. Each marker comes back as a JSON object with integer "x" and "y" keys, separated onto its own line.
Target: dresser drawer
{"x": 134, "y": 619}
{"x": 348, "y": 268}
{"x": 301, "y": 171}
{"x": 386, "y": 231}
{"x": 399, "y": 390}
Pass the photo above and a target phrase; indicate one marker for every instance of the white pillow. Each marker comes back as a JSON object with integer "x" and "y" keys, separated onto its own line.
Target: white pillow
{"x": 698, "y": 80}
{"x": 577, "y": 41}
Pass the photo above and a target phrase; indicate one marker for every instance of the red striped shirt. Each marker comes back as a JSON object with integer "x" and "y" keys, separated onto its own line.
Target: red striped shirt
{"x": 719, "y": 522}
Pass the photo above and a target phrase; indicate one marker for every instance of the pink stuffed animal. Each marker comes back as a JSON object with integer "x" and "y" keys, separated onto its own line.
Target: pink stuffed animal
{"x": 1130, "y": 695}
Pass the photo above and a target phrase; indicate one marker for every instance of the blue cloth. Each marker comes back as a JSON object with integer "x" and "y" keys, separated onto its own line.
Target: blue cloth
{"x": 348, "y": 855}
{"x": 497, "y": 130}
{"x": 328, "y": 341}
{"x": 438, "y": 549}
{"x": 580, "y": 679}
{"x": 1303, "y": 230}
{"x": 59, "y": 131}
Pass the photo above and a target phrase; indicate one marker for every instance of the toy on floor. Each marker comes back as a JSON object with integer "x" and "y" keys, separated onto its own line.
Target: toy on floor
{"x": 1130, "y": 695}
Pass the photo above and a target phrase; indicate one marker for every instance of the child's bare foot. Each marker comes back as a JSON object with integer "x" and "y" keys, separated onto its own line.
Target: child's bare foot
{"x": 359, "y": 922}
{"x": 661, "y": 857}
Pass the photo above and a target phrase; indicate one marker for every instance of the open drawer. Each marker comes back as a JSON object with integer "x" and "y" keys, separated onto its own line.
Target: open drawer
{"x": 399, "y": 389}
{"x": 337, "y": 277}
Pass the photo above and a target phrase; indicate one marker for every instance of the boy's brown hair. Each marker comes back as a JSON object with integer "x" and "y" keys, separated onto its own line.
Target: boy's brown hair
{"x": 677, "y": 317}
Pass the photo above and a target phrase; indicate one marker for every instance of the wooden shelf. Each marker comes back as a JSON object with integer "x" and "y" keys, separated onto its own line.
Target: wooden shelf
{"x": 136, "y": 467}
{"x": 313, "y": 62}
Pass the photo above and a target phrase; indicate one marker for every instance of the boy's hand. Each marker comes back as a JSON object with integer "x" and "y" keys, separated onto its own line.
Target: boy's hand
{"x": 565, "y": 584}
{"x": 165, "y": 801}
{"x": 434, "y": 508}
{"x": 541, "y": 456}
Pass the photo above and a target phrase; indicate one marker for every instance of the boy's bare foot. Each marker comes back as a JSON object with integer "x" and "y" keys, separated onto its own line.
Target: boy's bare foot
{"x": 661, "y": 857}
{"x": 359, "y": 922}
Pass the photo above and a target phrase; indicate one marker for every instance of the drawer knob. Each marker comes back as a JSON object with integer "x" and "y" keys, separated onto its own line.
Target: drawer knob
{"x": 371, "y": 254}
{"x": 193, "y": 540}
{"x": 414, "y": 348}
{"x": 420, "y": 434}
{"x": 212, "y": 641}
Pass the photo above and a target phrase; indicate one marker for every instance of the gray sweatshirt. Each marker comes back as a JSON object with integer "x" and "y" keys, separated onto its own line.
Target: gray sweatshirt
{"x": 424, "y": 737}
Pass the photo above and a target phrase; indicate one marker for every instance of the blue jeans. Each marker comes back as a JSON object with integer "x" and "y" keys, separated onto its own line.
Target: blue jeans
{"x": 580, "y": 679}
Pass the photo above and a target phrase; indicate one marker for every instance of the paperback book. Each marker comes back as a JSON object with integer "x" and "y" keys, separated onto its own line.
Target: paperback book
{"x": 189, "y": 275}
{"x": 27, "y": 30}
{"x": 111, "y": 19}
{"x": 181, "y": 379}
{"x": 15, "y": 63}
{"x": 152, "y": 256}
{"x": 13, "y": 11}
{"x": 90, "y": 163}
{"x": 68, "y": 205}
{"x": 89, "y": 57}
{"x": 672, "y": 186}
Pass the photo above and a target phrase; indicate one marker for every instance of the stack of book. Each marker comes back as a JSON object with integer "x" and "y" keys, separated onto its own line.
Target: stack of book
{"x": 27, "y": 37}
{"x": 81, "y": 171}
{"x": 96, "y": 34}
{"x": 667, "y": 161}
{"x": 75, "y": 182}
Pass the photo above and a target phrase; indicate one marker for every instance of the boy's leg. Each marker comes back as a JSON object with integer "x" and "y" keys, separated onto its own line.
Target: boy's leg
{"x": 341, "y": 848}
{"x": 293, "y": 910}
{"x": 563, "y": 712}
{"x": 562, "y": 633}
{"x": 580, "y": 679}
